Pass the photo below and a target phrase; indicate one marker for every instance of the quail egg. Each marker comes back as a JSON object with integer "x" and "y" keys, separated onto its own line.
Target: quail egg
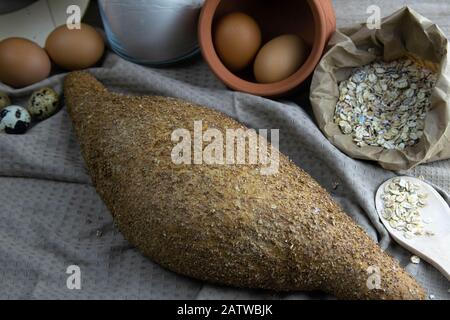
{"x": 15, "y": 120}
{"x": 43, "y": 103}
{"x": 4, "y": 100}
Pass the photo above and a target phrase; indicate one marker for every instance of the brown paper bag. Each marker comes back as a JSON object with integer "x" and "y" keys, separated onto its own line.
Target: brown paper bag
{"x": 404, "y": 33}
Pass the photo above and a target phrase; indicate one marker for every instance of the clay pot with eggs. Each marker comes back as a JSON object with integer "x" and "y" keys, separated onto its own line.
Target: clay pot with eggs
{"x": 283, "y": 49}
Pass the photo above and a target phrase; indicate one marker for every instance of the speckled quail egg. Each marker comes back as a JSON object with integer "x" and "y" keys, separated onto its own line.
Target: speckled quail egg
{"x": 4, "y": 100}
{"x": 43, "y": 103}
{"x": 15, "y": 120}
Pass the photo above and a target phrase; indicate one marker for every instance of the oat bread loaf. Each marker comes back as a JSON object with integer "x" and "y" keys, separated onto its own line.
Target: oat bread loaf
{"x": 222, "y": 224}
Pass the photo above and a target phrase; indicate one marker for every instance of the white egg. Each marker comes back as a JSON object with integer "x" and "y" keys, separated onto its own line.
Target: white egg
{"x": 15, "y": 120}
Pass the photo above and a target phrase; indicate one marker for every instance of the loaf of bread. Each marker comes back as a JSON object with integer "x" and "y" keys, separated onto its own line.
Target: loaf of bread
{"x": 225, "y": 224}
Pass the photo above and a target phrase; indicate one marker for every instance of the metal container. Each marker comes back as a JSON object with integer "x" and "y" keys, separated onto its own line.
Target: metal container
{"x": 152, "y": 32}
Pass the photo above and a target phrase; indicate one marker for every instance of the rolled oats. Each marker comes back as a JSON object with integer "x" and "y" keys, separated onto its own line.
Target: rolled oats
{"x": 384, "y": 104}
{"x": 403, "y": 202}
{"x": 415, "y": 259}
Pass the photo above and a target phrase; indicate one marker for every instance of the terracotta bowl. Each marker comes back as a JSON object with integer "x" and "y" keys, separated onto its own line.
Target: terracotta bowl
{"x": 313, "y": 20}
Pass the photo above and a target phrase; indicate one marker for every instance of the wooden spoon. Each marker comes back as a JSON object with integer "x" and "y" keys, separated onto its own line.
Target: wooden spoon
{"x": 435, "y": 249}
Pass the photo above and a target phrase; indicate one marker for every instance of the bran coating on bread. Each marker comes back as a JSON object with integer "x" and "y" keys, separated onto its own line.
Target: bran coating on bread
{"x": 224, "y": 224}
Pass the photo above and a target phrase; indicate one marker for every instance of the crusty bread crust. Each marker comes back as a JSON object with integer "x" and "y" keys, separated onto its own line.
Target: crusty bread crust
{"x": 222, "y": 224}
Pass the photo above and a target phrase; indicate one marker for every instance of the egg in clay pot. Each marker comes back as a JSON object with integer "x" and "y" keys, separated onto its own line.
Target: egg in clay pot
{"x": 280, "y": 58}
{"x": 237, "y": 40}
{"x": 14, "y": 120}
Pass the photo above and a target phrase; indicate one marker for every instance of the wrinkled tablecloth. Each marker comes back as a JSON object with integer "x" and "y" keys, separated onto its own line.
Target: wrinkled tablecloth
{"x": 52, "y": 218}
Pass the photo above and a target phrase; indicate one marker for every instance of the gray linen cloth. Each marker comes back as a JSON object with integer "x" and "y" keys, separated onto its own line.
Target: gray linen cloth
{"x": 51, "y": 216}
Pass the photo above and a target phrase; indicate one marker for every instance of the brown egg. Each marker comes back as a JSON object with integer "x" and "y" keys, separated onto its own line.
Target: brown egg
{"x": 22, "y": 62}
{"x": 75, "y": 49}
{"x": 280, "y": 58}
{"x": 237, "y": 40}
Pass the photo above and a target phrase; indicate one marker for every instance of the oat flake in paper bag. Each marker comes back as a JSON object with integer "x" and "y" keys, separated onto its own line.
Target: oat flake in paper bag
{"x": 404, "y": 33}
